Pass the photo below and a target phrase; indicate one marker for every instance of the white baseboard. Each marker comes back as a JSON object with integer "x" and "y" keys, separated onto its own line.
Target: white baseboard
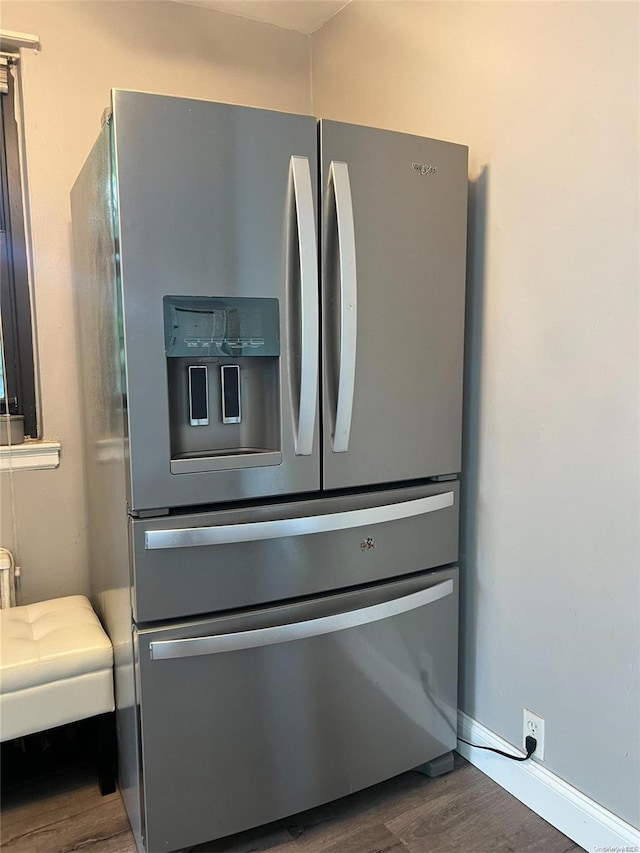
{"x": 563, "y": 806}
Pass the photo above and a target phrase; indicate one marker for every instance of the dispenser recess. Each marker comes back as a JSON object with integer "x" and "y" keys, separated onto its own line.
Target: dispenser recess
{"x": 223, "y": 382}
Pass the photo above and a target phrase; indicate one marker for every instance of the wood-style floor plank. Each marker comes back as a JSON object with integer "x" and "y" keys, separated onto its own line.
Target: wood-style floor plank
{"x": 468, "y": 812}
{"x": 462, "y": 812}
{"x": 64, "y": 813}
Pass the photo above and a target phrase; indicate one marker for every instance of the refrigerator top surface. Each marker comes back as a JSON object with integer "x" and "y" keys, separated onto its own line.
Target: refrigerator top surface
{"x": 327, "y": 123}
{"x": 119, "y": 95}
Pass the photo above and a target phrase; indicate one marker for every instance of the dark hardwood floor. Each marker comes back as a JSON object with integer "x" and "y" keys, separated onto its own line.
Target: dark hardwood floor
{"x": 463, "y": 811}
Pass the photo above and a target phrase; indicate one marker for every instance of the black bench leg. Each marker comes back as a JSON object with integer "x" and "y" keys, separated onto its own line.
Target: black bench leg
{"x": 107, "y": 752}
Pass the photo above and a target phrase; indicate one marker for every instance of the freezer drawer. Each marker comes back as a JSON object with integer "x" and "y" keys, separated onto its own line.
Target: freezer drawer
{"x": 199, "y": 563}
{"x": 249, "y": 718}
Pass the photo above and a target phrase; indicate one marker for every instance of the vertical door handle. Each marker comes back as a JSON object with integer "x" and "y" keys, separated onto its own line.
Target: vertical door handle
{"x": 339, "y": 177}
{"x": 309, "y": 322}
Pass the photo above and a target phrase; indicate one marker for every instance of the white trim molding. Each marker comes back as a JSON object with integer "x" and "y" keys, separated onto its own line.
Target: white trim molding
{"x": 30, "y": 456}
{"x": 11, "y": 41}
{"x": 566, "y": 808}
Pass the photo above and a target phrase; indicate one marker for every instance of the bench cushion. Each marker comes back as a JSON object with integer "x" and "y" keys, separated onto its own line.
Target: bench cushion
{"x": 55, "y": 665}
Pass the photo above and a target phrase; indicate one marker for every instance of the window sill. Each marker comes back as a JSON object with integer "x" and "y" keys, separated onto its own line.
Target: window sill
{"x": 30, "y": 456}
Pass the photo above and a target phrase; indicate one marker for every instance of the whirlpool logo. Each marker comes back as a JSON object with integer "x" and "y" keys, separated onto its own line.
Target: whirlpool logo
{"x": 424, "y": 168}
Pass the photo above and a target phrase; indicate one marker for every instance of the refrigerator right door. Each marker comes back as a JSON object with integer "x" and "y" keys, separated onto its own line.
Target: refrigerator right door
{"x": 394, "y": 219}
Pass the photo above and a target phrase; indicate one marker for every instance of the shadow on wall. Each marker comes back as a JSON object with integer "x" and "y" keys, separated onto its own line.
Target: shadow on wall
{"x": 476, "y": 244}
{"x": 156, "y": 28}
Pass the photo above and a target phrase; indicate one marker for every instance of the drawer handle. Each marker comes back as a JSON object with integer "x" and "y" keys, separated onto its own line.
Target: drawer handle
{"x": 193, "y": 646}
{"x": 224, "y": 534}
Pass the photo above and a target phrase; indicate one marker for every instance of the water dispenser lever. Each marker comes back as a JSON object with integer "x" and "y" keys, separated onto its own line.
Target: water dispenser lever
{"x": 198, "y": 395}
{"x": 230, "y": 379}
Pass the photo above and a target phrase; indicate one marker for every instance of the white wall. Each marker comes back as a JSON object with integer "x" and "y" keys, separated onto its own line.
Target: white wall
{"x": 546, "y": 97}
{"x": 88, "y": 47}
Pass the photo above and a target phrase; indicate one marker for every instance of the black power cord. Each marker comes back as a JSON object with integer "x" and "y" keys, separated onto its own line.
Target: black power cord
{"x": 530, "y": 742}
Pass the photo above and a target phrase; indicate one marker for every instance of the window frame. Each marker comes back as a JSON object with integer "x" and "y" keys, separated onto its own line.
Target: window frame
{"x": 15, "y": 299}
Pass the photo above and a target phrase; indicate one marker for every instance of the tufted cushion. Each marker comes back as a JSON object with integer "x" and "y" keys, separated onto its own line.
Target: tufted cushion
{"x": 55, "y": 665}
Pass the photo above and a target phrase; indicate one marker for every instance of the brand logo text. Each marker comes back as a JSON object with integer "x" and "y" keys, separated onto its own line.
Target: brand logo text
{"x": 424, "y": 168}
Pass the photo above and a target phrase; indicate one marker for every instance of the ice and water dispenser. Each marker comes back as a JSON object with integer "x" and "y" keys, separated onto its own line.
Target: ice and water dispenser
{"x": 223, "y": 382}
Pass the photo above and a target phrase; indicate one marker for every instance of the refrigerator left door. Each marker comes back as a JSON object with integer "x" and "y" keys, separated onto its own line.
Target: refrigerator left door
{"x": 216, "y": 239}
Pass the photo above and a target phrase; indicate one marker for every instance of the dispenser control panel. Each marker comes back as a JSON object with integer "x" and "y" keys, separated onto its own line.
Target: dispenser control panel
{"x": 196, "y": 326}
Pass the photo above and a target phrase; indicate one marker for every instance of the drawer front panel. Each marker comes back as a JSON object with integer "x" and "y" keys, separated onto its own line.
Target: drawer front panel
{"x": 209, "y": 562}
{"x": 249, "y": 718}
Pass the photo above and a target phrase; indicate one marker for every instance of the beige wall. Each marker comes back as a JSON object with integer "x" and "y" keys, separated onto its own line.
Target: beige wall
{"x": 88, "y": 47}
{"x": 546, "y": 97}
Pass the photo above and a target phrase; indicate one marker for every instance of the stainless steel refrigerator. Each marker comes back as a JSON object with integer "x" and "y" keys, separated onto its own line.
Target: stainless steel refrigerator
{"x": 270, "y": 322}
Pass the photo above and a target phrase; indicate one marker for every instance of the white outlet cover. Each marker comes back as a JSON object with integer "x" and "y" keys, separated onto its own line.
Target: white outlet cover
{"x": 533, "y": 724}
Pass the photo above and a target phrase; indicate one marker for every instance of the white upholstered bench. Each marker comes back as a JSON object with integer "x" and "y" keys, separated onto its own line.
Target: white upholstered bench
{"x": 56, "y": 667}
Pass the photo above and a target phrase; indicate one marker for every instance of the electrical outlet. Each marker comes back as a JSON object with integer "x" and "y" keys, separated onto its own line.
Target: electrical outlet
{"x": 533, "y": 725}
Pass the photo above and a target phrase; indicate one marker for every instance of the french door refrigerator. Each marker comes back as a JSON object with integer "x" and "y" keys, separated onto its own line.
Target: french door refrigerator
{"x": 270, "y": 320}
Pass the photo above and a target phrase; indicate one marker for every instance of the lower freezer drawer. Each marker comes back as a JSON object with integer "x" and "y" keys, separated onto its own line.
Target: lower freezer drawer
{"x": 246, "y": 719}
